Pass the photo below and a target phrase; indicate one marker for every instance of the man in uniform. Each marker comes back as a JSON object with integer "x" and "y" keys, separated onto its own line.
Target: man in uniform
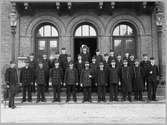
{"x": 41, "y": 83}
{"x": 111, "y": 56}
{"x": 85, "y": 80}
{"x": 126, "y": 76}
{"x": 98, "y": 57}
{"x": 11, "y": 79}
{"x": 56, "y": 75}
{"x": 33, "y": 65}
{"x": 153, "y": 77}
{"x": 45, "y": 62}
{"x": 138, "y": 81}
{"x": 145, "y": 64}
{"x": 26, "y": 78}
{"x": 101, "y": 82}
{"x": 114, "y": 80}
{"x": 71, "y": 81}
{"x": 85, "y": 54}
{"x": 93, "y": 68}
{"x": 63, "y": 60}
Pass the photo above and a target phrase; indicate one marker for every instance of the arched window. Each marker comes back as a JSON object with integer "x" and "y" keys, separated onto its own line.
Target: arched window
{"x": 85, "y": 31}
{"x": 124, "y": 38}
{"x": 46, "y": 40}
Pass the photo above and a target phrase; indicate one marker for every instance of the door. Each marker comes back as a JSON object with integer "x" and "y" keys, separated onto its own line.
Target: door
{"x": 46, "y": 40}
{"x": 90, "y": 42}
{"x": 48, "y": 46}
{"x": 124, "y": 39}
{"x": 123, "y": 45}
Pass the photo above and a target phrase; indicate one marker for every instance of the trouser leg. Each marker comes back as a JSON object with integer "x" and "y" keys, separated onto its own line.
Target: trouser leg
{"x": 43, "y": 92}
{"x": 84, "y": 94}
{"x": 24, "y": 92}
{"x": 74, "y": 92}
{"x": 116, "y": 92}
{"x": 68, "y": 92}
{"x": 38, "y": 93}
{"x": 129, "y": 96}
{"x": 154, "y": 88}
{"x": 29, "y": 92}
{"x": 103, "y": 93}
{"x": 149, "y": 90}
{"x": 89, "y": 94}
{"x": 99, "y": 93}
{"x": 58, "y": 92}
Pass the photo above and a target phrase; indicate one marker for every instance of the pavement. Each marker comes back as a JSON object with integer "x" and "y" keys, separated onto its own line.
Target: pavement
{"x": 85, "y": 113}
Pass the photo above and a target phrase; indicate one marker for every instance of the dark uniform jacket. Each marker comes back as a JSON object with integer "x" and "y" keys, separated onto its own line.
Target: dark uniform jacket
{"x": 131, "y": 63}
{"x": 79, "y": 67}
{"x": 101, "y": 78}
{"x": 11, "y": 76}
{"x": 33, "y": 66}
{"x": 138, "y": 78}
{"x": 145, "y": 65}
{"x": 63, "y": 60}
{"x": 126, "y": 77}
{"x": 114, "y": 75}
{"x": 153, "y": 72}
{"x": 46, "y": 68}
{"x": 40, "y": 76}
{"x": 56, "y": 75}
{"x": 93, "y": 68}
{"x": 85, "y": 77}
{"x": 71, "y": 76}
{"x": 106, "y": 68}
{"x": 85, "y": 57}
{"x": 99, "y": 59}
{"x": 26, "y": 75}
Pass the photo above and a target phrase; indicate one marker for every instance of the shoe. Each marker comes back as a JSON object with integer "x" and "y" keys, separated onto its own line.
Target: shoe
{"x": 23, "y": 101}
{"x": 37, "y": 101}
{"x": 13, "y": 107}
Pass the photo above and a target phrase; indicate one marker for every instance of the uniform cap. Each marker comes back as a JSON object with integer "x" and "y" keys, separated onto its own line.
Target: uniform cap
{"x": 86, "y": 62}
{"x": 12, "y": 62}
{"x": 144, "y": 54}
{"x": 97, "y": 50}
{"x": 106, "y": 54}
{"x": 101, "y": 63}
{"x": 151, "y": 58}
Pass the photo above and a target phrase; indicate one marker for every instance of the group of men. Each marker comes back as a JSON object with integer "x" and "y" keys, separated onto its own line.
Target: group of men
{"x": 86, "y": 73}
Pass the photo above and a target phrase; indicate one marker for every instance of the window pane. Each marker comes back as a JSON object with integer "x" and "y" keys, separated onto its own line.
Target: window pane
{"x": 92, "y": 31}
{"x": 130, "y": 31}
{"x": 42, "y": 45}
{"x": 85, "y": 30}
{"x": 116, "y": 31}
{"x": 78, "y": 32}
{"x": 117, "y": 44}
{"x": 54, "y": 32}
{"x": 53, "y": 44}
{"x": 123, "y": 30}
{"x": 40, "y": 32}
{"x": 47, "y": 30}
{"x": 129, "y": 43}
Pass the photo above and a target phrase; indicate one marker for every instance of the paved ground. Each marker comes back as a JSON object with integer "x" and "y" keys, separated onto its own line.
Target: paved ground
{"x": 85, "y": 113}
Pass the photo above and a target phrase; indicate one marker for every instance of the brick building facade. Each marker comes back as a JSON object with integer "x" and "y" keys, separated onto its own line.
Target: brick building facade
{"x": 139, "y": 18}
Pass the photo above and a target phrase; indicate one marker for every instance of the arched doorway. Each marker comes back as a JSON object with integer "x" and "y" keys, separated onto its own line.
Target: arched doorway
{"x": 46, "y": 40}
{"x": 124, "y": 39}
{"x": 86, "y": 34}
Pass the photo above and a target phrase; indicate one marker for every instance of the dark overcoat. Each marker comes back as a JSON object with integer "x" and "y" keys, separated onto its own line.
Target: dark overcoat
{"x": 56, "y": 75}
{"x": 99, "y": 59}
{"x": 126, "y": 77}
{"x": 101, "y": 78}
{"x": 138, "y": 78}
{"x": 40, "y": 76}
{"x": 63, "y": 60}
{"x": 11, "y": 76}
{"x": 71, "y": 76}
{"x": 114, "y": 75}
{"x": 85, "y": 57}
{"x": 85, "y": 78}
{"x": 93, "y": 68}
{"x": 153, "y": 72}
{"x": 79, "y": 67}
{"x": 145, "y": 65}
{"x": 26, "y": 75}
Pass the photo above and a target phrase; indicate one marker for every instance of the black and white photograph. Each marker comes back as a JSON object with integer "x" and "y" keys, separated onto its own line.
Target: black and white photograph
{"x": 83, "y": 61}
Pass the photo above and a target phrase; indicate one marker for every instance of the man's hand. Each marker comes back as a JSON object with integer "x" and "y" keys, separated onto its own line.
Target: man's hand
{"x": 95, "y": 84}
{"x": 76, "y": 83}
{"x": 7, "y": 86}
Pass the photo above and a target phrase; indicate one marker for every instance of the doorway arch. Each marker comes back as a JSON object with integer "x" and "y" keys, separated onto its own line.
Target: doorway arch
{"x": 85, "y": 33}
